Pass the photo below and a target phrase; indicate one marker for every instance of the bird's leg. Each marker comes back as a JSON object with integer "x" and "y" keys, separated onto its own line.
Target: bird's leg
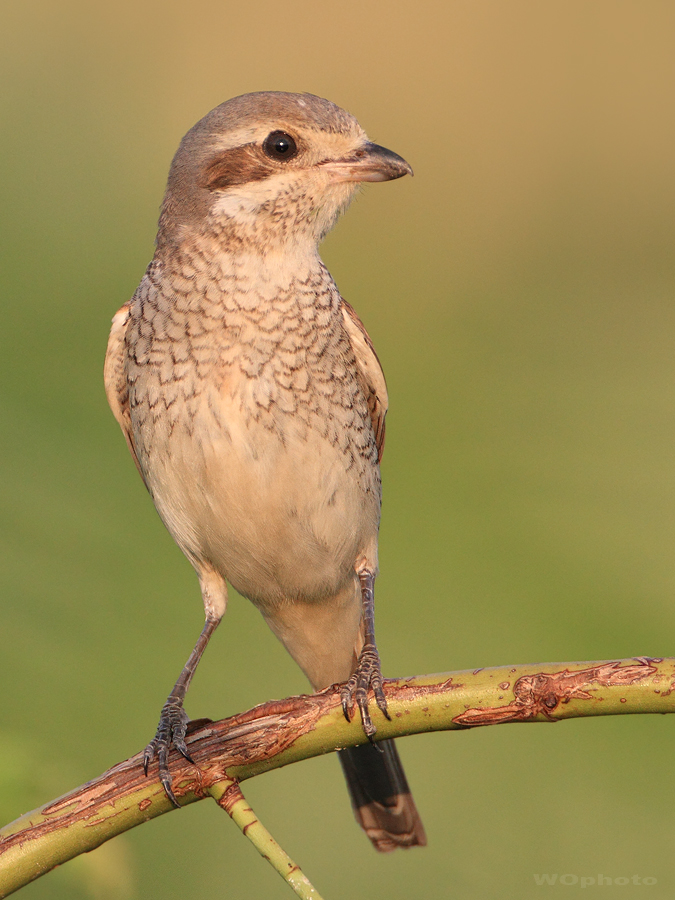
{"x": 173, "y": 720}
{"x": 368, "y": 672}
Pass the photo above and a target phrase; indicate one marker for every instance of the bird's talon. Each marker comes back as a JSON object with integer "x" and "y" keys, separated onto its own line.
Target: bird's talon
{"x": 355, "y": 692}
{"x": 183, "y": 750}
{"x": 347, "y": 698}
{"x": 171, "y": 731}
{"x": 165, "y": 778}
{"x": 148, "y": 755}
{"x": 381, "y": 701}
{"x": 368, "y": 726}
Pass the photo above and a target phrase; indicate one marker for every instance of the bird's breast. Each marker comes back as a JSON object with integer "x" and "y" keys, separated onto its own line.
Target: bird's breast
{"x": 255, "y": 440}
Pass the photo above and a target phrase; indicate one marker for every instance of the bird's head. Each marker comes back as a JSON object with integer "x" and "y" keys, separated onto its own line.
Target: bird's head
{"x": 269, "y": 169}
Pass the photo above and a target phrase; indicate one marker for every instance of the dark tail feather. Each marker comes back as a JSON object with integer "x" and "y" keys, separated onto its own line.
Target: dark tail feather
{"x": 381, "y": 798}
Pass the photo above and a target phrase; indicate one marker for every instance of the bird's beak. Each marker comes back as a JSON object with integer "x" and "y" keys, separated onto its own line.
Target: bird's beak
{"x": 369, "y": 163}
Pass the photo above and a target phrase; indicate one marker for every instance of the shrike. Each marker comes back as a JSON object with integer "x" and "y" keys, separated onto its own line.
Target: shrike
{"x": 253, "y": 404}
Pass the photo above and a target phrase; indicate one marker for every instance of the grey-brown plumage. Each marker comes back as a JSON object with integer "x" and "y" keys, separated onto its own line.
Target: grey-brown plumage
{"x": 253, "y": 404}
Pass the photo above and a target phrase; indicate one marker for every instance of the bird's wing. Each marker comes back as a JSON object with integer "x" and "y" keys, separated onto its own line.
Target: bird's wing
{"x": 372, "y": 376}
{"x": 116, "y": 386}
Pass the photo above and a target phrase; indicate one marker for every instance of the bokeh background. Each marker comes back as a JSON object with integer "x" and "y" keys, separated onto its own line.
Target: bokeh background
{"x": 520, "y": 294}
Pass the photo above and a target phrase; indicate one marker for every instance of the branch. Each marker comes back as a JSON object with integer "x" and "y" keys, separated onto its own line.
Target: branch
{"x": 285, "y": 731}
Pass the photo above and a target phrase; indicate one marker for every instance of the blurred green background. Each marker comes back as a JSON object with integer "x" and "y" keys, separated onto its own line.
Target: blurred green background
{"x": 519, "y": 291}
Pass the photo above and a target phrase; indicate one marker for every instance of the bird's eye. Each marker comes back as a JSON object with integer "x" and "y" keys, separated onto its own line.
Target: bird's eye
{"x": 279, "y": 145}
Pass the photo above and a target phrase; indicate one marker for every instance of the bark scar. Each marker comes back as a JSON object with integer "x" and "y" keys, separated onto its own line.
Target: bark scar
{"x": 540, "y": 694}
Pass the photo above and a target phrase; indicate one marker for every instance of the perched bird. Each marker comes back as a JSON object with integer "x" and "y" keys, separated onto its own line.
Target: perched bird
{"x": 253, "y": 404}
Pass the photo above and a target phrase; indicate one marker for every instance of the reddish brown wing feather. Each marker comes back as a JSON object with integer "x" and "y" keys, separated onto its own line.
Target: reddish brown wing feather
{"x": 116, "y": 387}
{"x": 372, "y": 376}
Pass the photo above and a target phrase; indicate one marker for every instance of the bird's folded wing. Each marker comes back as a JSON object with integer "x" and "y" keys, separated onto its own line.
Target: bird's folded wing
{"x": 371, "y": 372}
{"x": 114, "y": 376}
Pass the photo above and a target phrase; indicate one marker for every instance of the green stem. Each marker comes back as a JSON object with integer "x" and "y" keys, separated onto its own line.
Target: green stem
{"x": 281, "y": 732}
{"x": 229, "y": 797}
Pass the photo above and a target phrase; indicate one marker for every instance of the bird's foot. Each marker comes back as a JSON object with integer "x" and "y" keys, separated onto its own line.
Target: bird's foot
{"x": 367, "y": 675}
{"x": 171, "y": 731}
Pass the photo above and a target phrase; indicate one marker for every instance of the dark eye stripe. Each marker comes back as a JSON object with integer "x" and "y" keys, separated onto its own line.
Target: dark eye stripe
{"x": 240, "y": 165}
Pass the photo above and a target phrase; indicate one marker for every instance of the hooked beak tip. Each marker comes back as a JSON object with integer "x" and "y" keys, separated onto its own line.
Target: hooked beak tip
{"x": 370, "y": 162}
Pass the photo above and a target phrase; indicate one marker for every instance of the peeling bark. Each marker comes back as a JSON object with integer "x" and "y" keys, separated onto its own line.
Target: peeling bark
{"x": 280, "y": 732}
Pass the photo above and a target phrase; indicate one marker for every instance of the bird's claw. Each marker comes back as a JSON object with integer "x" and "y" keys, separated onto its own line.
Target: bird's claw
{"x": 171, "y": 732}
{"x": 366, "y": 675}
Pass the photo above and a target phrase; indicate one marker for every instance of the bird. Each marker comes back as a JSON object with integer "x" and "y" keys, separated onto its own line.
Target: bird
{"x": 253, "y": 404}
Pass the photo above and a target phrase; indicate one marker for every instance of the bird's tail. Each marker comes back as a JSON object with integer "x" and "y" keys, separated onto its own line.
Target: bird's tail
{"x": 381, "y": 798}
